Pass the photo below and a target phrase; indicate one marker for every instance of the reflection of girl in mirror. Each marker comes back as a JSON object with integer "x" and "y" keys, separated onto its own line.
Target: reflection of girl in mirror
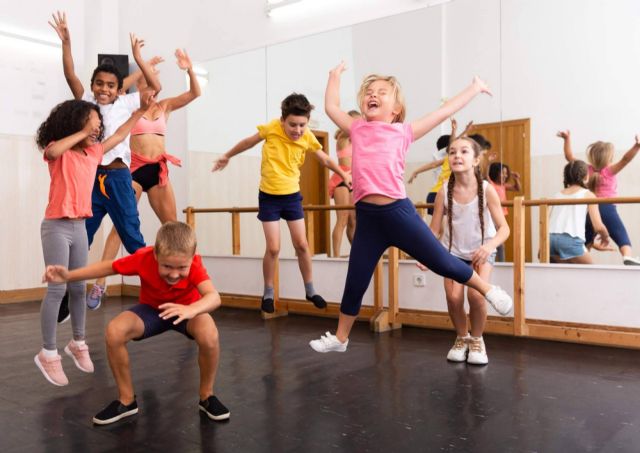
{"x": 286, "y": 142}
{"x": 385, "y": 216}
{"x": 566, "y": 222}
{"x": 149, "y": 157}
{"x": 603, "y": 182}
{"x": 475, "y": 227}
{"x": 503, "y": 180}
{"x": 340, "y": 192}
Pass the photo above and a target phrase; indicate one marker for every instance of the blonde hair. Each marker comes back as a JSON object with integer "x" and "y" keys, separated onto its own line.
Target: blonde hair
{"x": 175, "y": 238}
{"x": 397, "y": 92}
{"x": 600, "y": 155}
{"x": 342, "y": 137}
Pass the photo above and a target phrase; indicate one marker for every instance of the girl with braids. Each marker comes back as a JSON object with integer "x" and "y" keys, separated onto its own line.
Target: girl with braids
{"x": 384, "y": 215}
{"x": 475, "y": 226}
{"x": 603, "y": 182}
{"x": 70, "y": 139}
{"x": 566, "y": 222}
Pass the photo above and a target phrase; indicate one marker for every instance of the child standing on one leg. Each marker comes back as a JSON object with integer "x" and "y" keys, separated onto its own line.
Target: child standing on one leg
{"x": 475, "y": 227}
{"x": 385, "y": 216}
{"x": 175, "y": 294}
{"x": 70, "y": 138}
{"x": 286, "y": 140}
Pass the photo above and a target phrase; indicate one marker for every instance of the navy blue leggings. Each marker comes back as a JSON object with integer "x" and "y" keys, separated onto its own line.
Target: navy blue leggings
{"x": 613, "y": 222}
{"x": 396, "y": 224}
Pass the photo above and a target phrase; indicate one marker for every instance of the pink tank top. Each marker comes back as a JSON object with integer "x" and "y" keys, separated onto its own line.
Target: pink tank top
{"x": 345, "y": 152}
{"x": 147, "y": 126}
{"x": 608, "y": 186}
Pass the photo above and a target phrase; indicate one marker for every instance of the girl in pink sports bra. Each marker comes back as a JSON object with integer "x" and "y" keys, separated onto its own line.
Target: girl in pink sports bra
{"x": 340, "y": 193}
{"x": 149, "y": 160}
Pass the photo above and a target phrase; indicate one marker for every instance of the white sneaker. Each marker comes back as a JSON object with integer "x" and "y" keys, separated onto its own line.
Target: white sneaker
{"x": 477, "y": 352}
{"x": 631, "y": 261}
{"x": 458, "y": 353}
{"x": 328, "y": 343}
{"x": 500, "y": 300}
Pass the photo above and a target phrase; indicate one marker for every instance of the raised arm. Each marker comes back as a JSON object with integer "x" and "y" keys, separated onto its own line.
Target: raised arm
{"x": 56, "y": 149}
{"x": 568, "y": 152}
{"x": 184, "y": 62}
{"x": 425, "y": 167}
{"x": 332, "y": 100}
{"x": 62, "y": 29}
{"x": 627, "y": 158}
{"x": 147, "y": 100}
{"x": 241, "y": 146}
{"x": 147, "y": 70}
{"x": 133, "y": 78}
{"x": 60, "y": 274}
{"x": 515, "y": 186}
{"x": 428, "y": 122}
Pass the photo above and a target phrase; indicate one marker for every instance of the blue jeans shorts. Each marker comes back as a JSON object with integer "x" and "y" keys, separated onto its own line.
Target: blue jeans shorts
{"x": 154, "y": 324}
{"x": 565, "y": 246}
{"x": 275, "y": 207}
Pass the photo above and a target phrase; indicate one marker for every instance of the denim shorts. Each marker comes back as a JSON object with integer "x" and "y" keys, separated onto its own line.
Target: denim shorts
{"x": 154, "y": 324}
{"x": 491, "y": 259}
{"x": 565, "y": 246}
{"x": 275, "y": 207}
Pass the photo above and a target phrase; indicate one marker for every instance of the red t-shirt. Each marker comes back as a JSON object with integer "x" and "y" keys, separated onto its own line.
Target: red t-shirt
{"x": 154, "y": 291}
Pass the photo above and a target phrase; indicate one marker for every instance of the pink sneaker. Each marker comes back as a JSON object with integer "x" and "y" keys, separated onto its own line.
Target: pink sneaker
{"x": 51, "y": 368}
{"x": 80, "y": 356}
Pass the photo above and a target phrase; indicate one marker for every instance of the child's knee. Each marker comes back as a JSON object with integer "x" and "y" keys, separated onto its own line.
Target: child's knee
{"x": 301, "y": 246}
{"x": 115, "y": 333}
{"x": 207, "y": 337}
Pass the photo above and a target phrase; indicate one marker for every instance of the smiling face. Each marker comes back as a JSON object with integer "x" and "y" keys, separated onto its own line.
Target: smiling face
{"x": 379, "y": 102}
{"x": 294, "y": 126}
{"x": 175, "y": 267}
{"x": 463, "y": 156}
{"x": 105, "y": 87}
{"x": 93, "y": 138}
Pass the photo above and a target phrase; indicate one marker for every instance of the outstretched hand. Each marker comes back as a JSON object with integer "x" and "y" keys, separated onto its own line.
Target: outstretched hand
{"x": 178, "y": 311}
{"x": 481, "y": 85}
{"x": 564, "y": 135}
{"x": 182, "y": 59}
{"x": 412, "y": 178}
{"x": 55, "y": 274}
{"x": 147, "y": 99}
{"x": 60, "y": 26}
{"x": 220, "y": 163}
{"x": 601, "y": 244}
{"x": 136, "y": 45}
{"x": 338, "y": 70}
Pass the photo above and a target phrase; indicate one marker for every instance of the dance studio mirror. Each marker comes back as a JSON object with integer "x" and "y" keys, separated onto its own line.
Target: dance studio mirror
{"x": 551, "y": 66}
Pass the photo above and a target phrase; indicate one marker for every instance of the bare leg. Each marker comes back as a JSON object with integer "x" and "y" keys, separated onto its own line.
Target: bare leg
{"x": 455, "y": 305}
{"x": 345, "y": 324}
{"x": 163, "y": 202}
{"x": 299, "y": 239}
{"x": 272, "y": 239}
{"x": 340, "y": 196}
{"x": 204, "y": 331}
{"x": 122, "y": 329}
{"x": 625, "y": 250}
{"x": 477, "y": 303}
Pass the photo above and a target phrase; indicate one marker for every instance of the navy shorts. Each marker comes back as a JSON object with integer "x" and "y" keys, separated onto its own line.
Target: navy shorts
{"x": 154, "y": 324}
{"x": 275, "y": 207}
{"x": 613, "y": 222}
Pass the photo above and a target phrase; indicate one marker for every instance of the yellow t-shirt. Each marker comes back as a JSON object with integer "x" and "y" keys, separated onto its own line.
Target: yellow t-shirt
{"x": 445, "y": 172}
{"x": 282, "y": 158}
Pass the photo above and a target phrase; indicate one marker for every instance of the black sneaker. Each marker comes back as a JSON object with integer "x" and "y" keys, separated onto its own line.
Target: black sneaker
{"x": 114, "y": 412}
{"x": 214, "y": 409}
{"x": 317, "y": 300}
{"x": 63, "y": 312}
{"x": 267, "y": 305}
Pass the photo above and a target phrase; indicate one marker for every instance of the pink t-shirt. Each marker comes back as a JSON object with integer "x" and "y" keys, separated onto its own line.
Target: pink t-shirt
{"x": 608, "y": 186}
{"x": 72, "y": 175}
{"x": 377, "y": 165}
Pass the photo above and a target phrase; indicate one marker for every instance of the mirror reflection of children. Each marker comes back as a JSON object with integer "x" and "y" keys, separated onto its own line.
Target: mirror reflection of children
{"x": 286, "y": 141}
{"x": 385, "y": 216}
{"x": 175, "y": 294}
{"x": 567, "y": 222}
{"x": 603, "y": 182}
{"x": 341, "y": 193}
{"x": 503, "y": 180}
{"x": 475, "y": 226}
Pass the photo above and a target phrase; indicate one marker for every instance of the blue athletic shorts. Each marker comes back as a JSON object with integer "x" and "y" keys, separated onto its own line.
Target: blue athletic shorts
{"x": 154, "y": 324}
{"x": 565, "y": 246}
{"x": 274, "y": 207}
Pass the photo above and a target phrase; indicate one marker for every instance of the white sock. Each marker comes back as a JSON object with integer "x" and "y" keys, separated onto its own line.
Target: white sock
{"x": 79, "y": 342}
{"x": 48, "y": 353}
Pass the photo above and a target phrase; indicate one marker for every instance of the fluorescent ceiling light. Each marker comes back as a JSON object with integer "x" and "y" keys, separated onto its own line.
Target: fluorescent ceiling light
{"x": 26, "y": 35}
{"x": 274, "y": 5}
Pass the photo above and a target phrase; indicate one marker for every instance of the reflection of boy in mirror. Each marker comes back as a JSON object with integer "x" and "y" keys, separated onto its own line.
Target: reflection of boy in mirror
{"x": 341, "y": 193}
{"x": 286, "y": 140}
{"x": 566, "y": 222}
{"x": 603, "y": 182}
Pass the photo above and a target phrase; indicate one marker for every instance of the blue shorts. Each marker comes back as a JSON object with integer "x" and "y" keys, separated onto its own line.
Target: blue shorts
{"x": 120, "y": 203}
{"x": 154, "y": 324}
{"x": 275, "y": 207}
{"x": 565, "y": 246}
{"x": 491, "y": 259}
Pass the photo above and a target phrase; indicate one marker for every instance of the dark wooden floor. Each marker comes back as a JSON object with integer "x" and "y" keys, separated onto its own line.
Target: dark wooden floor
{"x": 390, "y": 393}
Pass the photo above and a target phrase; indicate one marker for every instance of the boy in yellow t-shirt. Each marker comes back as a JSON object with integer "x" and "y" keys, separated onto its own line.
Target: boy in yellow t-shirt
{"x": 286, "y": 140}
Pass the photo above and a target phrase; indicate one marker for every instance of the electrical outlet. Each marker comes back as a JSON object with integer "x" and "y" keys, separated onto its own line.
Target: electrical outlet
{"x": 419, "y": 280}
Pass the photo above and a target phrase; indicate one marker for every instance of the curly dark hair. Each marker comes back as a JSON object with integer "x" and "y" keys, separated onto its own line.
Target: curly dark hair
{"x": 495, "y": 172}
{"x": 110, "y": 69}
{"x": 66, "y": 119}
{"x": 296, "y": 104}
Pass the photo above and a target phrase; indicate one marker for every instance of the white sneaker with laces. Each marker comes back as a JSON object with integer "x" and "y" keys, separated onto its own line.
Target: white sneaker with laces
{"x": 499, "y": 300}
{"x": 477, "y": 352}
{"x": 631, "y": 261}
{"x": 458, "y": 353}
{"x": 328, "y": 343}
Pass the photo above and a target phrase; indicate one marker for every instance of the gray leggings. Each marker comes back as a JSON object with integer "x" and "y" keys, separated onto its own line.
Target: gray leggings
{"x": 64, "y": 242}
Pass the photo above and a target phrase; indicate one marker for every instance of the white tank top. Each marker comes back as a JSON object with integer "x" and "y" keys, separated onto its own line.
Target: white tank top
{"x": 467, "y": 235}
{"x": 569, "y": 219}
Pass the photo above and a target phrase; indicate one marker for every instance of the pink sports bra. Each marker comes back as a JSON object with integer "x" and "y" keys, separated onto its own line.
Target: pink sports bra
{"x": 344, "y": 152}
{"x": 147, "y": 126}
